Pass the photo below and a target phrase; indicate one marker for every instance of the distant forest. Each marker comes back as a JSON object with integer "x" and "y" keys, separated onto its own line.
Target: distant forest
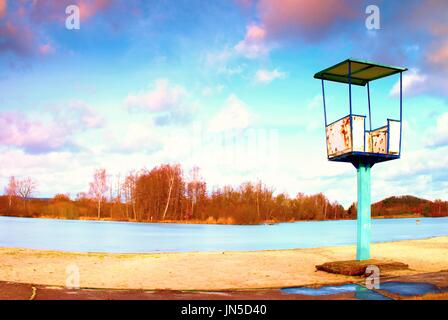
{"x": 166, "y": 194}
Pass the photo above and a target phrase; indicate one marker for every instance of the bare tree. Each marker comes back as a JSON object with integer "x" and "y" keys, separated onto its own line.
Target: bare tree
{"x": 129, "y": 193}
{"x": 98, "y": 188}
{"x": 126, "y": 195}
{"x": 171, "y": 175}
{"x": 118, "y": 190}
{"x": 258, "y": 188}
{"x": 192, "y": 187}
{"x": 11, "y": 190}
{"x": 25, "y": 188}
{"x": 196, "y": 191}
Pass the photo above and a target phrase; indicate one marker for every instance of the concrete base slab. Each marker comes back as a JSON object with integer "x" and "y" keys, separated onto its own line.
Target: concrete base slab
{"x": 358, "y": 268}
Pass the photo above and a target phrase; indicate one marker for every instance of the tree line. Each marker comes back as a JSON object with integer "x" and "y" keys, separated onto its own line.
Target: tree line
{"x": 166, "y": 194}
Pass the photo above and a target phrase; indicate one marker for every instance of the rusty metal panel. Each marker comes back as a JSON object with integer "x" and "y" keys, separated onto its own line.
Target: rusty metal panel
{"x": 358, "y": 133}
{"x": 368, "y": 142}
{"x": 339, "y": 137}
{"x": 394, "y": 136}
{"x": 378, "y": 140}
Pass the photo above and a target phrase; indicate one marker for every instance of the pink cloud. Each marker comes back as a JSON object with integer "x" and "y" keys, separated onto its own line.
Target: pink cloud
{"x": 32, "y": 136}
{"x": 244, "y": 3}
{"x": 430, "y": 15}
{"x": 3, "y": 8}
{"x": 48, "y": 11}
{"x": 439, "y": 29}
{"x": 169, "y": 102}
{"x": 254, "y": 43}
{"x": 439, "y": 56}
{"x": 89, "y": 8}
{"x": 283, "y": 19}
{"x": 22, "y": 22}
{"x": 162, "y": 97}
{"x": 52, "y": 134}
{"x": 46, "y": 49}
{"x": 310, "y": 19}
{"x": 255, "y": 33}
{"x": 16, "y": 37}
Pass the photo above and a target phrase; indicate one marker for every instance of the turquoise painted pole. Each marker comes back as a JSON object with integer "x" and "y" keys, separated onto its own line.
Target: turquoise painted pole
{"x": 364, "y": 219}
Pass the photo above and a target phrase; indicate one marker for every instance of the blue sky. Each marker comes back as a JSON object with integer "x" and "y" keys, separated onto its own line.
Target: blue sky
{"x": 224, "y": 85}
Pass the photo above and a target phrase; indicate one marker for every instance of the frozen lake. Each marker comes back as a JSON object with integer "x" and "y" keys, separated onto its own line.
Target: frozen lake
{"x": 126, "y": 237}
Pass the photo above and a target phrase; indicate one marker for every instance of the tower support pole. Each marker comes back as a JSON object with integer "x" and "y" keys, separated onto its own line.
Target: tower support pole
{"x": 363, "y": 214}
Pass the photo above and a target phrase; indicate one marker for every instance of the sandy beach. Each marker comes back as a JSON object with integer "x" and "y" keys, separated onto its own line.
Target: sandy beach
{"x": 211, "y": 270}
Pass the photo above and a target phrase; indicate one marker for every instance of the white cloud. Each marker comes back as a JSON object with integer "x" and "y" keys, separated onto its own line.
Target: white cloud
{"x": 211, "y": 90}
{"x": 315, "y": 102}
{"x": 253, "y": 46}
{"x": 78, "y": 114}
{"x": 136, "y": 137}
{"x": 54, "y": 172}
{"x": 223, "y": 62}
{"x": 162, "y": 97}
{"x": 264, "y": 76}
{"x": 420, "y": 172}
{"x": 235, "y": 115}
{"x": 218, "y": 57}
{"x": 254, "y": 43}
{"x": 439, "y": 136}
{"x": 170, "y": 102}
{"x": 413, "y": 83}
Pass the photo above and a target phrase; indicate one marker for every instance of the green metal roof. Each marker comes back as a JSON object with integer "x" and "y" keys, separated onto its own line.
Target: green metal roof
{"x": 362, "y": 72}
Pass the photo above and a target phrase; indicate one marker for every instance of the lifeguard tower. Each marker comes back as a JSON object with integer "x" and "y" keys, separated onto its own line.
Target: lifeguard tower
{"x": 349, "y": 140}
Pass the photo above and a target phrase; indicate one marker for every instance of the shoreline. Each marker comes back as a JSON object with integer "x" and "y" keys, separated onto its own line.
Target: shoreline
{"x": 200, "y": 222}
{"x": 211, "y": 251}
{"x": 224, "y": 270}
